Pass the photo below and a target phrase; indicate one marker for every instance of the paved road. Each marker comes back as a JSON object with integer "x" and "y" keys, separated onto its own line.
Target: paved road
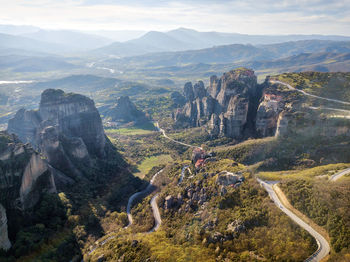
{"x": 175, "y": 141}
{"x": 156, "y": 214}
{"x": 146, "y": 191}
{"x": 323, "y": 246}
{"x": 338, "y": 175}
{"x": 307, "y": 94}
{"x": 182, "y": 174}
{"x": 330, "y": 108}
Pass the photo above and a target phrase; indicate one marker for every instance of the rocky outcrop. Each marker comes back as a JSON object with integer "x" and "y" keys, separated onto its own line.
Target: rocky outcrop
{"x": 236, "y": 227}
{"x": 124, "y": 111}
{"x": 24, "y": 176}
{"x": 37, "y": 177}
{"x": 5, "y": 243}
{"x": 24, "y": 125}
{"x": 67, "y": 130}
{"x": 224, "y": 106}
{"x": 227, "y": 178}
{"x": 178, "y": 99}
{"x": 271, "y": 105}
{"x": 169, "y": 202}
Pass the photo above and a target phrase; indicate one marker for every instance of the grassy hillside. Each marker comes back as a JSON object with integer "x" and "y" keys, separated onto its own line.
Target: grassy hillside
{"x": 191, "y": 231}
{"x": 330, "y": 85}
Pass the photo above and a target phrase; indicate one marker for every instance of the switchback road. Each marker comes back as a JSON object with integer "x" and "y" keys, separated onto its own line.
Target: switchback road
{"x": 323, "y": 245}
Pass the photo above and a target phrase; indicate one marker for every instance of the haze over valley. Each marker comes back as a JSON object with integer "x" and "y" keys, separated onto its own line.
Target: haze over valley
{"x": 174, "y": 131}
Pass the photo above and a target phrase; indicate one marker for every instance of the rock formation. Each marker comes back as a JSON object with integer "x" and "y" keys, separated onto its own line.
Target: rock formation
{"x": 178, "y": 99}
{"x": 124, "y": 111}
{"x": 4, "y": 240}
{"x": 24, "y": 176}
{"x": 67, "y": 130}
{"x": 227, "y": 178}
{"x": 224, "y": 105}
{"x": 271, "y": 105}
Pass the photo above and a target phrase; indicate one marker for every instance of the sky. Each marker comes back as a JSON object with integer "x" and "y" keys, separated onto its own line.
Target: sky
{"x": 248, "y": 17}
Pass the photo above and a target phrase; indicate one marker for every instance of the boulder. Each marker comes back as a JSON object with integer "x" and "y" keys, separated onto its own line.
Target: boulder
{"x": 227, "y": 178}
{"x": 169, "y": 202}
{"x": 236, "y": 226}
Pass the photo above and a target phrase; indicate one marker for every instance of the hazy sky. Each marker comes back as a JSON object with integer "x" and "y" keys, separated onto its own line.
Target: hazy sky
{"x": 249, "y": 16}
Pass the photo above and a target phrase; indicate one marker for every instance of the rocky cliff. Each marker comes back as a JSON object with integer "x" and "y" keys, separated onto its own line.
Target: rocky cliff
{"x": 227, "y": 106}
{"x": 4, "y": 240}
{"x": 67, "y": 151}
{"x": 124, "y": 111}
{"x": 67, "y": 130}
{"x": 24, "y": 176}
{"x": 269, "y": 110}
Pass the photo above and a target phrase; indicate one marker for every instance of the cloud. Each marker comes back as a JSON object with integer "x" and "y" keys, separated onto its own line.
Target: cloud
{"x": 249, "y": 16}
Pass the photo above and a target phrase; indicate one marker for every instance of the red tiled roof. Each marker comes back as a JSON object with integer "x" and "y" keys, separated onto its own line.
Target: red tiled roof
{"x": 199, "y": 162}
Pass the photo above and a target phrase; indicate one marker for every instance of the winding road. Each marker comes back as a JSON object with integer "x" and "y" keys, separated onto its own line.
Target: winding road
{"x": 308, "y": 94}
{"x": 323, "y": 245}
{"x": 338, "y": 175}
{"x": 155, "y": 209}
{"x": 150, "y": 188}
{"x": 156, "y": 214}
{"x": 182, "y": 174}
{"x": 154, "y": 206}
{"x": 173, "y": 140}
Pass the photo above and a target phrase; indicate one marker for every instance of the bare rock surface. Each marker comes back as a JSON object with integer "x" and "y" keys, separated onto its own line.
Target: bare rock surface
{"x": 66, "y": 129}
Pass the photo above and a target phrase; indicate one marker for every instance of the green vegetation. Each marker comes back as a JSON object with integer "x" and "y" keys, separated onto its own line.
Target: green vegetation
{"x": 327, "y": 204}
{"x": 146, "y": 165}
{"x": 296, "y": 151}
{"x": 128, "y": 131}
{"x": 330, "y": 85}
{"x": 248, "y": 205}
{"x": 306, "y": 174}
{"x": 188, "y": 230}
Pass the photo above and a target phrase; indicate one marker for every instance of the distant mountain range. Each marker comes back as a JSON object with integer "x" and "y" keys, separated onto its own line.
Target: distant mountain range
{"x": 74, "y": 40}
{"x": 19, "y": 63}
{"x": 24, "y": 44}
{"x": 34, "y": 39}
{"x": 187, "y": 39}
{"x": 236, "y": 53}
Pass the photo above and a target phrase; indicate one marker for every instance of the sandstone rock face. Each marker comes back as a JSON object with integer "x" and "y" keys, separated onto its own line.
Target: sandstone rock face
{"x": 223, "y": 106}
{"x": 282, "y": 124}
{"x": 74, "y": 116}
{"x": 24, "y": 176}
{"x": 269, "y": 110}
{"x": 67, "y": 130}
{"x": 124, "y": 111}
{"x": 188, "y": 91}
{"x": 24, "y": 124}
{"x": 5, "y": 243}
{"x": 36, "y": 178}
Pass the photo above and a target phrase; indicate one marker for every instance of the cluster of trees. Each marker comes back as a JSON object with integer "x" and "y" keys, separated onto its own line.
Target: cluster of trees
{"x": 327, "y": 204}
{"x": 36, "y": 232}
